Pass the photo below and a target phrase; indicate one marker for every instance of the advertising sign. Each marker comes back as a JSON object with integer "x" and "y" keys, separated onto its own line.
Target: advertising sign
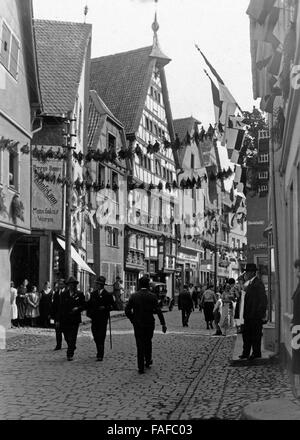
{"x": 46, "y": 197}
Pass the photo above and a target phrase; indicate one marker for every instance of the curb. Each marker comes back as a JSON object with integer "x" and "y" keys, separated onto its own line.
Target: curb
{"x": 273, "y": 409}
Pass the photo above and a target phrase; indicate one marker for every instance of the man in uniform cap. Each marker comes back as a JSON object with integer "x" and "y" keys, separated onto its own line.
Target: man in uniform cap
{"x": 71, "y": 304}
{"x": 255, "y": 307}
{"x": 99, "y": 304}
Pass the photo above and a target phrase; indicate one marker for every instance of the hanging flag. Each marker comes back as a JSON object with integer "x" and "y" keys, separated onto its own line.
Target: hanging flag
{"x": 216, "y": 99}
{"x": 258, "y": 10}
{"x": 213, "y": 71}
{"x": 265, "y": 32}
{"x": 235, "y": 151}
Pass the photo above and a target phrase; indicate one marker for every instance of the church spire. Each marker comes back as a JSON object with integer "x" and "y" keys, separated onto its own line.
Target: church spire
{"x": 156, "y": 50}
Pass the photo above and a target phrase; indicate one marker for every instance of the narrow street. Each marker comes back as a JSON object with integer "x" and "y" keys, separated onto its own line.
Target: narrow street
{"x": 191, "y": 377}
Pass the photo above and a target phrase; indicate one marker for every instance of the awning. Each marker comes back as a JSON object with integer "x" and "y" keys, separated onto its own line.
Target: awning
{"x": 76, "y": 257}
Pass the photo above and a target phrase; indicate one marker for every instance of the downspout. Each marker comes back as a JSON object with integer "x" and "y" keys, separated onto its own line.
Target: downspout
{"x": 276, "y": 248}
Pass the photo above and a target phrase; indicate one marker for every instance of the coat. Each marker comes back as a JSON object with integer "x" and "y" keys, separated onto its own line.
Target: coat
{"x": 141, "y": 308}
{"x": 70, "y": 307}
{"x": 99, "y": 305}
{"x": 54, "y": 312}
{"x": 185, "y": 301}
{"x": 45, "y": 304}
{"x": 255, "y": 301}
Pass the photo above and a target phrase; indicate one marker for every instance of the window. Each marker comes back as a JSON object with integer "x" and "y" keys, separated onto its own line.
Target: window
{"x": 147, "y": 123}
{"x": 158, "y": 97}
{"x": 192, "y": 161}
{"x": 157, "y": 167}
{"x": 153, "y": 247}
{"x": 108, "y": 236}
{"x": 111, "y": 142}
{"x": 263, "y": 175}
{"x": 233, "y": 243}
{"x": 147, "y": 247}
{"x": 9, "y": 52}
{"x": 263, "y": 188}
{"x": 79, "y": 123}
{"x": 140, "y": 243}
{"x": 101, "y": 174}
{"x": 112, "y": 237}
{"x": 151, "y": 91}
{"x": 238, "y": 244}
{"x": 132, "y": 241}
{"x": 13, "y": 169}
{"x": 263, "y": 158}
{"x": 164, "y": 172}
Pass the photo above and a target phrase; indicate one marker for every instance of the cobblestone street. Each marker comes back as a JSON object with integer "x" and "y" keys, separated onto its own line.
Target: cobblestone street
{"x": 191, "y": 377}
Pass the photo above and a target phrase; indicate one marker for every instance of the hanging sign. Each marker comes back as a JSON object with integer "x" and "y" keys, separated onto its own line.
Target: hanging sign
{"x": 46, "y": 207}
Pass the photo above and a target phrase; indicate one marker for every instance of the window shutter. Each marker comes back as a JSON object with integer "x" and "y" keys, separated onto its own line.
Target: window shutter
{"x": 5, "y": 45}
{"x": 13, "y": 68}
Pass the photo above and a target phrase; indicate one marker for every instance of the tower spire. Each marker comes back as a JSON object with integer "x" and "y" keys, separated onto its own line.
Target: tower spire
{"x": 156, "y": 50}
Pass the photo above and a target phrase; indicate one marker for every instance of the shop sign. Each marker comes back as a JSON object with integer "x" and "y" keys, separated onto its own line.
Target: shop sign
{"x": 47, "y": 208}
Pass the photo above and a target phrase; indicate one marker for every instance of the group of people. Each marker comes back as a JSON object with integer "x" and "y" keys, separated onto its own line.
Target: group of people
{"x": 29, "y": 307}
{"x": 241, "y": 304}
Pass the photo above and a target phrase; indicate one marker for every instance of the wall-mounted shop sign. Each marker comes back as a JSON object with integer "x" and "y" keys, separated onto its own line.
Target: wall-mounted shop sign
{"x": 47, "y": 197}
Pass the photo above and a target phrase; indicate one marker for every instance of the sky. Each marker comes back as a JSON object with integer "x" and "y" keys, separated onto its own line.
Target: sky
{"x": 219, "y": 27}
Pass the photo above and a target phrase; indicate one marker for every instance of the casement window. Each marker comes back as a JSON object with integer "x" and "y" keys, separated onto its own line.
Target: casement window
{"x": 112, "y": 142}
{"x": 13, "y": 169}
{"x": 147, "y": 123}
{"x": 263, "y": 158}
{"x": 263, "y": 175}
{"x": 132, "y": 241}
{"x": 157, "y": 167}
{"x": 153, "y": 247}
{"x": 101, "y": 174}
{"x": 112, "y": 237}
{"x": 9, "y": 50}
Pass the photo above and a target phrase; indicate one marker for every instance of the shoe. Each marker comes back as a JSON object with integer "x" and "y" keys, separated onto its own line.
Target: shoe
{"x": 243, "y": 356}
{"x": 254, "y": 357}
{"x": 148, "y": 365}
{"x": 99, "y": 358}
{"x": 70, "y": 358}
{"x": 57, "y": 348}
{"x": 141, "y": 371}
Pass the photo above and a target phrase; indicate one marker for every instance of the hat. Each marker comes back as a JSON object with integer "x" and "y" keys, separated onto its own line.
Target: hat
{"x": 72, "y": 280}
{"x": 101, "y": 280}
{"x": 251, "y": 267}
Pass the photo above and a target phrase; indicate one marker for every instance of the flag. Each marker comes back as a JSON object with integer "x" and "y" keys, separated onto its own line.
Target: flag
{"x": 258, "y": 10}
{"x": 216, "y": 99}
{"x": 213, "y": 71}
{"x": 265, "y": 32}
{"x": 234, "y": 137}
{"x": 235, "y": 151}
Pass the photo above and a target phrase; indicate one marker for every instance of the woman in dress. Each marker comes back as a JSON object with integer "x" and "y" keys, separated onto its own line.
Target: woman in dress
{"x": 226, "y": 309}
{"x": 21, "y": 302}
{"x": 45, "y": 305}
{"x": 13, "y": 305}
{"x": 32, "y": 311}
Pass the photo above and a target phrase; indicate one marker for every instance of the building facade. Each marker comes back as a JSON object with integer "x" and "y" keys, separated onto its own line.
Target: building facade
{"x": 20, "y": 105}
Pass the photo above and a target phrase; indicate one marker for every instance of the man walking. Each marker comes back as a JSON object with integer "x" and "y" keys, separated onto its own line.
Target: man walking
{"x": 255, "y": 307}
{"x": 59, "y": 287}
{"x": 185, "y": 304}
{"x": 99, "y": 304}
{"x": 140, "y": 310}
{"x": 71, "y": 305}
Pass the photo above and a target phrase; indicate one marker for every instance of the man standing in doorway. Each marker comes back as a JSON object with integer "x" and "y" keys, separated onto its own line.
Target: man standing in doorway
{"x": 99, "y": 304}
{"x": 255, "y": 307}
{"x": 140, "y": 310}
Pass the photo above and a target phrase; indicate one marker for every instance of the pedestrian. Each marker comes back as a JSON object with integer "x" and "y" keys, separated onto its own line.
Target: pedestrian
{"x": 295, "y": 324}
{"x": 32, "y": 307}
{"x": 218, "y": 314}
{"x": 21, "y": 302}
{"x": 13, "y": 305}
{"x": 194, "y": 294}
{"x": 140, "y": 310}
{"x": 239, "y": 310}
{"x": 46, "y": 296}
{"x": 117, "y": 289}
{"x": 255, "y": 307}
{"x": 58, "y": 289}
{"x": 71, "y": 305}
{"x": 99, "y": 305}
{"x": 185, "y": 304}
{"x": 208, "y": 301}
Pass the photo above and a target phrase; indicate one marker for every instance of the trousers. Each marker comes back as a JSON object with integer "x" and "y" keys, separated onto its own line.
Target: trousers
{"x": 143, "y": 337}
{"x": 252, "y": 334}
{"x": 58, "y": 335}
{"x": 185, "y": 314}
{"x": 99, "y": 329}
{"x": 70, "y": 332}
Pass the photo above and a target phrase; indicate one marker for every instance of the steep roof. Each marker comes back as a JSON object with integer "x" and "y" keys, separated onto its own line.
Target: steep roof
{"x": 61, "y": 48}
{"x": 184, "y": 125}
{"x": 122, "y": 81}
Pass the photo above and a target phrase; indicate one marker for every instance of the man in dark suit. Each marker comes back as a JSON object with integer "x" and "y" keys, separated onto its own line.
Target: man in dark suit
{"x": 71, "y": 304}
{"x": 99, "y": 304}
{"x": 140, "y": 310}
{"x": 59, "y": 287}
{"x": 255, "y": 307}
{"x": 186, "y": 305}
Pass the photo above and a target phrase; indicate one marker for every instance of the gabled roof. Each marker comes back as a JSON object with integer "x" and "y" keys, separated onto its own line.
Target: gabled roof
{"x": 61, "y": 49}
{"x": 184, "y": 125}
{"x": 122, "y": 80}
{"x": 98, "y": 108}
